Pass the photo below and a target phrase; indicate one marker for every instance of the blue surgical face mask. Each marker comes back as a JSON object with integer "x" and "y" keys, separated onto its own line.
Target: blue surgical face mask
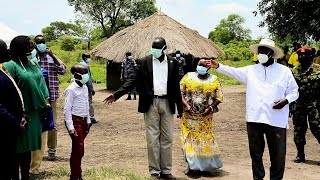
{"x": 157, "y": 52}
{"x": 88, "y": 60}
{"x": 42, "y": 47}
{"x": 202, "y": 70}
{"x": 33, "y": 53}
{"x": 84, "y": 78}
{"x": 177, "y": 55}
{"x": 129, "y": 57}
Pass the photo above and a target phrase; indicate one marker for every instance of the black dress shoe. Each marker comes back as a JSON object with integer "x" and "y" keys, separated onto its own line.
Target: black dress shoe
{"x": 93, "y": 121}
{"x": 300, "y": 159}
{"x": 155, "y": 176}
{"x": 167, "y": 177}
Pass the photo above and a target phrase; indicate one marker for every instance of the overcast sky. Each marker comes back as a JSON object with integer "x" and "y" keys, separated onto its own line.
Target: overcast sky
{"x": 30, "y": 16}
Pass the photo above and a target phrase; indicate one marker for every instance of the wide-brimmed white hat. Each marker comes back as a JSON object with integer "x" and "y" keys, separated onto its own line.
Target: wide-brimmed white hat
{"x": 269, "y": 44}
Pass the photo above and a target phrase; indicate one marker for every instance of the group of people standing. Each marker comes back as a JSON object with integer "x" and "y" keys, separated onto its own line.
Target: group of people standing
{"x": 271, "y": 87}
{"x": 28, "y": 105}
{"x": 163, "y": 88}
{"x": 24, "y": 76}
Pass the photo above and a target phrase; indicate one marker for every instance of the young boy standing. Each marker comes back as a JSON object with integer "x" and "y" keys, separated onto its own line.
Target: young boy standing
{"x": 77, "y": 118}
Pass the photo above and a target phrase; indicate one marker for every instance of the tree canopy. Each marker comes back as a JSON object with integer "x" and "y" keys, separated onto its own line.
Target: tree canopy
{"x": 230, "y": 29}
{"x": 298, "y": 19}
{"x": 117, "y": 13}
{"x": 57, "y": 29}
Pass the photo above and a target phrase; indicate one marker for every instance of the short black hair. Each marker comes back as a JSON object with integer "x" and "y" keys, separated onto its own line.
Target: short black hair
{"x": 3, "y": 45}
{"x": 178, "y": 52}
{"x": 85, "y": 56}
{"x": 128, "y": 54}
{"x": 76, "y": 67}
{"x": 39, "y": 35}
{"x": 19, "y": 46}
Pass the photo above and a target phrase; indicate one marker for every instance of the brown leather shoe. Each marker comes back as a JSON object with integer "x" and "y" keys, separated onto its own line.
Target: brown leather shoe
{"x": 167, "y": 177}
{"x": 155, "y": 176}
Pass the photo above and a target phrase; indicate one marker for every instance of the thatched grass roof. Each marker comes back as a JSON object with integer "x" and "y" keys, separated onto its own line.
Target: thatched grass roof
{"x": 139, "y": 37}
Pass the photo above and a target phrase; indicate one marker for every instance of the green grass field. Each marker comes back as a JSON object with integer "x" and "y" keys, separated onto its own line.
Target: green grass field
{"x": 62, "y": 173}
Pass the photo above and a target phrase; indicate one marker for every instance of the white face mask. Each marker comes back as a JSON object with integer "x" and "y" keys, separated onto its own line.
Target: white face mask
{"x": 263, "y": 58}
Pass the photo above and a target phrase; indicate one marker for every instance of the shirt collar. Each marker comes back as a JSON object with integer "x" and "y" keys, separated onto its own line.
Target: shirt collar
{"x": 165, "y": 58}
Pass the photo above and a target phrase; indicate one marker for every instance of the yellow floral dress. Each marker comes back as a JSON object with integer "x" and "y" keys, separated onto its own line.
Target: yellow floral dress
{"x": 200, "y": 149}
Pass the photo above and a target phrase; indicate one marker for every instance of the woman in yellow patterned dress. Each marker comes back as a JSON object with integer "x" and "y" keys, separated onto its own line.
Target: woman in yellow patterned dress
{"x": 201, "y": 93}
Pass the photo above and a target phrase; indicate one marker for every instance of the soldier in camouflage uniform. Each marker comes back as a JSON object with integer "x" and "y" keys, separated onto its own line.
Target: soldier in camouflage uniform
{"x": 127, "y": 71}
{"x": 306, "y": 109}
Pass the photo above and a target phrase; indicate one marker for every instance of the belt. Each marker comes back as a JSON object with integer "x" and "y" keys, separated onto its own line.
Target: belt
{"x": 78, "y": 117}
{"x": 160, "y": 97}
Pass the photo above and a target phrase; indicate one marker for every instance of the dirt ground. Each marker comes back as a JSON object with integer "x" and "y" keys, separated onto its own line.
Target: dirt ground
{"x": 118, "y": 141}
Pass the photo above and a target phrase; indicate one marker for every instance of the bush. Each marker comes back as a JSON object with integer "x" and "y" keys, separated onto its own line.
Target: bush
{"x": 236, "y": 50}
{"x": 68, "y": 43}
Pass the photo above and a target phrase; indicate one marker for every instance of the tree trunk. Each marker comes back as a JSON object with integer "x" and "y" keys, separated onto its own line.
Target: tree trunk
{"x": 105, "y": 32}
{"x": 89, "y": 45}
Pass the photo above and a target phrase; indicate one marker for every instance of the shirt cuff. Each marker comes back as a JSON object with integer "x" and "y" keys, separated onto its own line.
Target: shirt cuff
{"x": 88, "y": 120}
{"x": 70, "y": 125}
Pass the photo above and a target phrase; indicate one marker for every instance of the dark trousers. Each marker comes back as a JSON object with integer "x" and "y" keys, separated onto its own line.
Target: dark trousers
{"x": 276, "y": 140}
{"x": 77, "y": 152}
{"x": 23, "y": 161}
{"x": 8, "y": 160}
{"x": 300, "y": 121}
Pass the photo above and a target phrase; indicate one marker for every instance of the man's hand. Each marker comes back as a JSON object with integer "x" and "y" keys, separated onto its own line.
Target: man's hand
{"x": 110, "y": 99}
{"x": 212, "y": 63}
{"x": 49, "y": 52}
{"x": 121, "y": 78}
{"x": 207, "y": 112}
{"x": 93, "y": 93}
{"x": 23, "y": 125}
{"x": 73, "y": 133}
{"x": 280, "y": 104}
{"x": 89, "y": 126}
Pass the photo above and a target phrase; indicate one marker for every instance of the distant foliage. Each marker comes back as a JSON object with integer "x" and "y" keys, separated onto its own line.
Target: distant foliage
{"x": 67, "y": 43}
{"x": 230, "y": 29}
{"x": 297, "y": 18}
{"x": 237, "y": 50}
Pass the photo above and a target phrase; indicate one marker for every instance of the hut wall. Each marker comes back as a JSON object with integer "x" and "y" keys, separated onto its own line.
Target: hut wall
{"x": 113, "y": 75}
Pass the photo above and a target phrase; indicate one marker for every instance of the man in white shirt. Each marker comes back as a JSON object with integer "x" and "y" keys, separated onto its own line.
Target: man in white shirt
{"x": 270, "y": 89}
{"x": 77, "y": 117}
{"x": 157, "y": 80}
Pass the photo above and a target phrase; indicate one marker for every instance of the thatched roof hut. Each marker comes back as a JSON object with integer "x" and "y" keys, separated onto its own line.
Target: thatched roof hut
{"x": 139, "y": 37}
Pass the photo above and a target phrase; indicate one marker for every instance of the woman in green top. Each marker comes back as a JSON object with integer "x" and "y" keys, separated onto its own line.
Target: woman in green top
{"x": 30, "y": 81}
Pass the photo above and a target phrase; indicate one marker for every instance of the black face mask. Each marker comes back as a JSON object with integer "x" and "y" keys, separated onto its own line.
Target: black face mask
{"x": 5, "y": 56}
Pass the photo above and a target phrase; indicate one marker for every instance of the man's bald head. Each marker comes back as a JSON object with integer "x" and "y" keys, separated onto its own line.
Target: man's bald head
{"x": 159, "y": 43}
{"x": 79, "y": 68}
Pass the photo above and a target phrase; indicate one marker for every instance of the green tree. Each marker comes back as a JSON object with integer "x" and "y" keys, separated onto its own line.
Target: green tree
{"x": 57, "y": 29}
{"x": 67, "y": 43}
{"x": 230, "y": 29}
{"x": 120, "y": 13}
{"x": 296, "y": 18}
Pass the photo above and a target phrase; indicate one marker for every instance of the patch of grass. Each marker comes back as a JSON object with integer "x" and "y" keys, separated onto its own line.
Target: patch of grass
{"x": 62, "y": 173}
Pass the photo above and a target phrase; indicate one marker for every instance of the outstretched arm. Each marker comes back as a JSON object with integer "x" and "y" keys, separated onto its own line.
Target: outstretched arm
{"x": 238, "y": 73}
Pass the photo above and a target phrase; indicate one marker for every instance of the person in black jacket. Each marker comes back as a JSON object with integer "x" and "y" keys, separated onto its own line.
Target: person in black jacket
{"x": 12, "y": 120}
{"x": 157, "y": 82}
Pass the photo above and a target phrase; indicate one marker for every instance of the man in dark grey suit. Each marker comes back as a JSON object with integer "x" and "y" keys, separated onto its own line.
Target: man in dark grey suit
{"x": 157, "y": 82}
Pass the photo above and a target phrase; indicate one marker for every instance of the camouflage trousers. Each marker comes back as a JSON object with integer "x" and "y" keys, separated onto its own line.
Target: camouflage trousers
{"x": 301, "y": 118}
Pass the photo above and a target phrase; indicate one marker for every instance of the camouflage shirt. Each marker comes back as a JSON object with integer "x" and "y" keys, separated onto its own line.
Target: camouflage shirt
{"x": 181, "y": 62}
{"x": 128, "y": 66}
{"x": 309, "y": 84}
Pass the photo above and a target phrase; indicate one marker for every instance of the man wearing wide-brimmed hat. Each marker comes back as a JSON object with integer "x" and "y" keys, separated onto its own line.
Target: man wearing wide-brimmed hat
{"x": 270, "y": 89}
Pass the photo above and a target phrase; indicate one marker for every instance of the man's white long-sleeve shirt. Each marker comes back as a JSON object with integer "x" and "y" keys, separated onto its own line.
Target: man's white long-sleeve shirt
{"x": 265, "y": 86}
{"x": 76, "y": 103}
